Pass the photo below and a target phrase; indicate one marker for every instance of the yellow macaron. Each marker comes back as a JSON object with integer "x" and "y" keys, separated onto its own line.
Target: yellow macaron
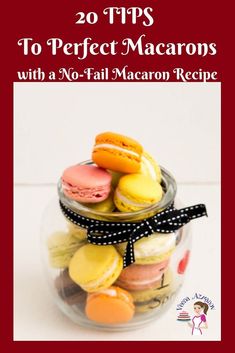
{"x": 95, "y": 267}
{"x": 150, "y": 167}
{"x": 136, "y": 192}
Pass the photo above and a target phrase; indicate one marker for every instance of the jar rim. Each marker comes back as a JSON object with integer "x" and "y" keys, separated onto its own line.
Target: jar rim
{"x": 168, "y": 183}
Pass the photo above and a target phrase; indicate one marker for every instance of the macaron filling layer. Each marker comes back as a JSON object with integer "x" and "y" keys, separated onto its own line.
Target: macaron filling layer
{"x": 110, "y": 292}
{"x": 114, "y": 147}
{"x": 124, "y": 199}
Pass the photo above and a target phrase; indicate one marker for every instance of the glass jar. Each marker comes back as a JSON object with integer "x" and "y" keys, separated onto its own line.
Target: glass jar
{"x": 151, "y": 296}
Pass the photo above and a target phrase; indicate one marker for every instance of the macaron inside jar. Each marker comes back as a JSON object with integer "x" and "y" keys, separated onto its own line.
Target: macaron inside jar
{"x": 152, "y": 250}
{"x": 152, "y": 299}
{"x": 113, "y": 305}
{"x": 94, "y": 267}
{"x": 140, "y": 277}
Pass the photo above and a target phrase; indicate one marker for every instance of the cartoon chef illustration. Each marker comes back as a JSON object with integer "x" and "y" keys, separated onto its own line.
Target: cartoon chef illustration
{"x": 199, "y": 320}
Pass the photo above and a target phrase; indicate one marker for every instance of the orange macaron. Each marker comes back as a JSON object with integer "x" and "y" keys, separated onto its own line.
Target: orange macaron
{"x": 110, "y": 306}
{"x": 117, "y": 152}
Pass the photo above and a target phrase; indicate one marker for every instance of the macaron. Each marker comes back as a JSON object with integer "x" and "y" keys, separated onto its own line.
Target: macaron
{"x": 95, "y": 267}
{"x": 110, "y": 306}
{"x": 117, "y": 152}
{"x": 115, "y": 178}
{"x": 61, "y": 247}
{"x": 86, "y": 183}
{"x": 68, "y": 290}
{"x": 154, "y": 249}
{"x": 103, "y": 206}
{"x": 77, "y": 232}
{"x": 140, "y": 277}
{"x": 149, "y": 299}
{"x": 150, "y": 167}
{"x": 136, "y": 192}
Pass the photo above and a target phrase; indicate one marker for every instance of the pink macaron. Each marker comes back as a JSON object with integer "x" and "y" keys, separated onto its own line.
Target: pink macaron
{"x": 86, "y": 183}
{"x": 140, "y": 277}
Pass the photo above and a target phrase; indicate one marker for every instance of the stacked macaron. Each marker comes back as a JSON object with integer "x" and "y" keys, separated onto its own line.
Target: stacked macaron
{"x": 122, "y": 178}
{"x": 149, "y": 279}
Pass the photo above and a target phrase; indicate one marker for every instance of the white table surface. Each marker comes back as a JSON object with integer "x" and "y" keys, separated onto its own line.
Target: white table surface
{"x": 36, "y": 317}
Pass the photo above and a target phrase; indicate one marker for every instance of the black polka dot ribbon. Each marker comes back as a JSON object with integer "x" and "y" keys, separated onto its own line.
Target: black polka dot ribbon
{"x": 109, "y": 233}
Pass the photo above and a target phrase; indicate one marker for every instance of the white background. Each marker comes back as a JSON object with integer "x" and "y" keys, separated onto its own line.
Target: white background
{"x": 54, "y": 127}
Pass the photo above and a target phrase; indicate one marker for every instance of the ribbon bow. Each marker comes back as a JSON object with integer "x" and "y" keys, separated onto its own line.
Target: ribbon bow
{"x": 108, "y": 233}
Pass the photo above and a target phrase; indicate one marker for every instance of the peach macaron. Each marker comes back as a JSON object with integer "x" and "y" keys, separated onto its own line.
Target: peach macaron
{"x": 110, "y": 306}
{"x": 140, "y": 277}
